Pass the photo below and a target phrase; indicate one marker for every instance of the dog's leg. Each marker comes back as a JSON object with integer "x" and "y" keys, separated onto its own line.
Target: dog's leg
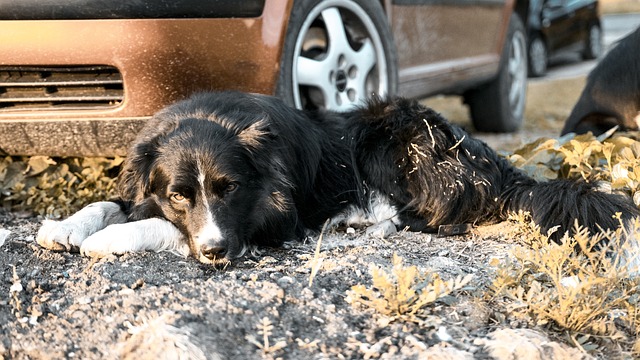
{"x": 69, "y": 234}
{"x": 150, "y": 234}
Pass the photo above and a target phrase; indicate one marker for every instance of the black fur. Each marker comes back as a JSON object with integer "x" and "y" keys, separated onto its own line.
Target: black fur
{"x": 612, "y": 94}
{"x": 458, "y": 179}
{"x": 322, "y": 163}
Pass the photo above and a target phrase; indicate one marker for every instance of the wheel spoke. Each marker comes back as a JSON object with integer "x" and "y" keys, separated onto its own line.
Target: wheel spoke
{"x": 310, "y": 71}
{"x": 516, "y": 58}
{"x": 315, "y": 73}
{"x": 344, "y": 104}
{"x": 517, "y": 71}
{"x": 366, "y": 57}
{"x": 514, "y": 93}
{"x": 516, "y": 85}
{"x": 338, "y": 42}
{"x": 364, "y": 61}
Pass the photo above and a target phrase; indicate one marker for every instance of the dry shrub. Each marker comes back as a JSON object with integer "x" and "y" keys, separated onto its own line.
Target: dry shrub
{"x": 576, "y": 286}
{"x": 612, "y": 159}
{"x": 55, "y": 187}
{"x": 404, "y": 291}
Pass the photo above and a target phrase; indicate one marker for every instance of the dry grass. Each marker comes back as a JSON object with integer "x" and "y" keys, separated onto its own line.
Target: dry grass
{"x": 619, "y": 6}
{"x": 549, "y": 103}
{"x": 575, "y": 288}
{"x": 55, "y": 187}
{"x": 615, "y": 160}
{"x": 404, "y": 292}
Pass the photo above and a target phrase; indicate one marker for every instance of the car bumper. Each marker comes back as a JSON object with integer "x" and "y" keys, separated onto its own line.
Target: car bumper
{"x": 159, "y": 61}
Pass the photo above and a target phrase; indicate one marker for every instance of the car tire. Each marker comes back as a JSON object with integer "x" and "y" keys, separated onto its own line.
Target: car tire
{"x": 538, "y": 56}
{"x": 499, "y": 105}
{"x": 593, "y": 43}
{"x": 336, "y": 54}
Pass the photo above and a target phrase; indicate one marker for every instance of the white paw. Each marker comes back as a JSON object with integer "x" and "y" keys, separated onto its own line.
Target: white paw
{"x": 61, "y": 235}
{"x": 70, "y": 233}
{"x": 144, "y": 235}
{"x": 114, "y": 239}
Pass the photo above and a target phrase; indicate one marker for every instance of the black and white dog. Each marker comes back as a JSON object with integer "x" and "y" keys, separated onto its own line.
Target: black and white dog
{"x": 218, "y": 173}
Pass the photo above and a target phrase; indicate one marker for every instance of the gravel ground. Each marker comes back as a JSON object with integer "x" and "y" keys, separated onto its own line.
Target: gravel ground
{"x": 158, "y": 305}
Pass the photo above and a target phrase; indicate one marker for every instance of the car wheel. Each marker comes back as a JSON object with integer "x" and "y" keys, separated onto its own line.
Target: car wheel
{"x": 336, "y": 54}
{"x": 499, "y": 105}
{"x": 593, "y": 43}
{"x": 538, "y": 58}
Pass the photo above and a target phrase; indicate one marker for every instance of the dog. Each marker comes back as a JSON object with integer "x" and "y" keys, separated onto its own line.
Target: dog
{"x": 611, "y": 96}
{"x": 219, "y": 173}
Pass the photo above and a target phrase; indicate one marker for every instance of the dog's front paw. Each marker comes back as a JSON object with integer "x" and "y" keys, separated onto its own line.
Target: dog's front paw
{"x": 61, "y": 235}
{"x": 114, "y": 239}
{"x": 70, "y": 233}
{"x": 143, "y": 235}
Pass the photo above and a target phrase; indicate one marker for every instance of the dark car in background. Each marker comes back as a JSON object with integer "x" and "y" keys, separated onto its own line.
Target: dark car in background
{"x": 556, "y": 26}
{"x": 80, "y": 77}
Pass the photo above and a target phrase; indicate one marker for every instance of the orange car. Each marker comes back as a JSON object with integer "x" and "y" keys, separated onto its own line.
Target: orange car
{"x": 79, "y": 78}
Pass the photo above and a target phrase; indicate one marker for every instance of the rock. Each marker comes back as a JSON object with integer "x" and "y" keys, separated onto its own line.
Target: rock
{"x": 382, "y": 229}
{"x": 525, "y": 344}
{"x": 4, "y": 234}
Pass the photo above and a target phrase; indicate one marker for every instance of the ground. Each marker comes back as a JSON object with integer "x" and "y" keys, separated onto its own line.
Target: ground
{"x": 154, "y": 305}
{"x": 159, "y": 305}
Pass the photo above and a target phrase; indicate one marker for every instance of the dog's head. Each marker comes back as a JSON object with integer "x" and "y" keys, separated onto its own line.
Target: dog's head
{"x": 212, "y": 177}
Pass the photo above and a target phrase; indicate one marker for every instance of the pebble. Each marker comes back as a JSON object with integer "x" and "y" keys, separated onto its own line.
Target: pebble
{"x": 443, "y": 334}
{"x": 84, "y": 300}
{"x": 285, "y": 281}
{"x": 126, "y": 292}
{"x": 382, "y": 229}
{"x": 4, "y": 234}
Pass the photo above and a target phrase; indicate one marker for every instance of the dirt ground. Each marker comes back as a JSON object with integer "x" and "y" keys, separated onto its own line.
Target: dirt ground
{"x": 159, "y": 305}
{"x": 619, "y": 6}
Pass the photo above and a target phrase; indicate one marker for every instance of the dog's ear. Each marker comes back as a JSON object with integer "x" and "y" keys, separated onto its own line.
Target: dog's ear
{"x": 148, "y": 208}
{"x": 134, "y": 180}
{"x": 135, "y": 177}
{"x": 255, "y": 134}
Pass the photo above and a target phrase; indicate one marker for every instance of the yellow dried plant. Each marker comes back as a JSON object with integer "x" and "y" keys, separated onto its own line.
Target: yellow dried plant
{"x": 404, "y": 291}
{"x": 577, "y": 285}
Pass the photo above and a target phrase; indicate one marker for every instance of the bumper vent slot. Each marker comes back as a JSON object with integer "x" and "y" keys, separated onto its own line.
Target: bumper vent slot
{"x": 65, "y": 88}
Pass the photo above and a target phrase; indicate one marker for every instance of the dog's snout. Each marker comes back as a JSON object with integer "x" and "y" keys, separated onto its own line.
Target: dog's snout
{"x": 213, "y": 252}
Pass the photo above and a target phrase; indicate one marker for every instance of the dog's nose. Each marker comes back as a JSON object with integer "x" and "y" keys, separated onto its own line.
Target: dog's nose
{"x": 213, "y": 252}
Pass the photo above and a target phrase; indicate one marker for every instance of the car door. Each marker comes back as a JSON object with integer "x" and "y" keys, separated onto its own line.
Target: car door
{"x": 444, "y": 43}
{"x": 557, "y": 22}
{"x": 584, "y": 14}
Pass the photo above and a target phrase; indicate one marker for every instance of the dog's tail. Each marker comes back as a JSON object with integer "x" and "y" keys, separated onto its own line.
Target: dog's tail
{"x": 561, "y": 203}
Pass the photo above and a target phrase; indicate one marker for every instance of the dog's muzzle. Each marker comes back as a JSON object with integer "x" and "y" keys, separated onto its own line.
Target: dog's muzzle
{"x": 213, "y": 252}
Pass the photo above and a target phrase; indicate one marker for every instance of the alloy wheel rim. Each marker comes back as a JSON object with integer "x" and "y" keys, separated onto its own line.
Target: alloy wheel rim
{"x": 517, "y": 69}
{"x": 343, "y": 68}
{"x": 538, "y": 56}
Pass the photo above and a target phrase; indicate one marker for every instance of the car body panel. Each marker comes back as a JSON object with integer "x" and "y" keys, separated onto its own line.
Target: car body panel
{"x": 118, "y": 9}
{"x": 463, "y": 54}
{"x": 564, "y": 24}
{"x": 156, "y": 70}
{"x": 164, "y": 60}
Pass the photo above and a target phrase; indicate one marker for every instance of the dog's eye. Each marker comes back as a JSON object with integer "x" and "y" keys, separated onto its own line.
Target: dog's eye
{"x": 231, "y": 187}
{"x": 178, "y": 197}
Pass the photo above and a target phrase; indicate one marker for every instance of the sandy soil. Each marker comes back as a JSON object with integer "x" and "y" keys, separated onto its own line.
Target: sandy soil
{"x": 619, "y": 6}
